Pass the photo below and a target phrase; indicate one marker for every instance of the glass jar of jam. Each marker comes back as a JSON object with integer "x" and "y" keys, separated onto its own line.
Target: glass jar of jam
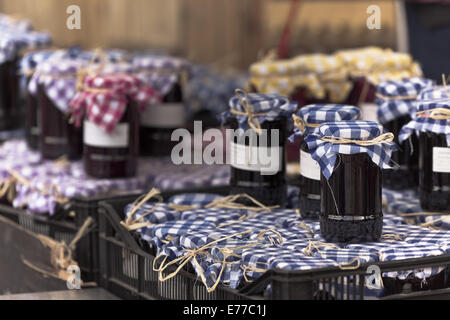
{"x": 58, "y": 136}
{"x": 109, "y": 105}
{"x": 434, "y": 171}
{"x": 32, "y": 127}
{"x": 10, "y": 110}
{"x": 308, "y": 118}
{"x": 114, "y": 154}
{"x": 351, "y": 205}
{"x": 405, "y": 174}
{"x": 159, "y": 121}
{"x": 395, "y": 101}
{"x": 351, "y": 155}
{"x": 246, "y": 175}
{"x": 256, "y": 152}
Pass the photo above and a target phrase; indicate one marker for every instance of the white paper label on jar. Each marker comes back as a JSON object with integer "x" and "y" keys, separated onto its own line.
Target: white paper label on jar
{"x": 309, "y": 168}
{"x": 441, "y": 159}
{"x": 266, "y": 160}
{"x": 96, "y": 136}
{"x": 369, "y": 111}
{"x": 164, "y": 115}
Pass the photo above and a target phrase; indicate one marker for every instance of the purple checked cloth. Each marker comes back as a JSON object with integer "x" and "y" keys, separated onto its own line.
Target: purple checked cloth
{"x": 160, "y": 72}
{"x": 48, "y": 182}
{"x": 58, "y": 76}
{"x": 14, "y": 154}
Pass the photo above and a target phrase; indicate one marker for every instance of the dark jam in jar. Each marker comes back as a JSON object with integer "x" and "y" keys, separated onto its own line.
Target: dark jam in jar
{"x": 406, "y": 174}
{"x": 351, "y": 201}
{"x": 309, "y": 195}
{"x": 434, "y": 172}
{"x": 10, "y": 110}
{"x": 32, "y": 128}
{"x": 58, "y": 137}
{"x": 115, "y": 154}
{"x": 269, "y": 188}
{"x": 159, "y": 121}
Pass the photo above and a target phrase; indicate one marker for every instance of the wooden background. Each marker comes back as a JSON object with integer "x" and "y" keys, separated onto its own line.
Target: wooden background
{"x": 223, "y": 32}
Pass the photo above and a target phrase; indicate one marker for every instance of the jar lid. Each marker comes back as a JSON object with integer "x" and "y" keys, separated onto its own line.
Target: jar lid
{"x": 395, "y": 98}
{"x": 253, "y": 109}
{"x": 350, "y": 137}
{"x": 311, "y": 116}
{"x": 104, "y": 98}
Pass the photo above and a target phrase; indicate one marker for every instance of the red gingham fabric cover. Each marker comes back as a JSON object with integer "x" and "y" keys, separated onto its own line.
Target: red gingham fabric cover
{"x": 106, "y": 107}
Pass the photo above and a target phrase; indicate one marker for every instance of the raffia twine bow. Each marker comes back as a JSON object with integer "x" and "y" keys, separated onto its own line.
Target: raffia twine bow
{"x": 382, "y": 138}
{"x": 314, "y": 246}
{"x": 131, "y": 223}
{"x": 253, "y": 123}
{"x": 229, "y": 202}
{"x": 301, "y": 124}
{"x": 89, "y": 70}
{"x": 435, "y": 114}
{"x": 191, "y": 254}
{"x": 48, "y": 190}
{"x": 61, "y": 254}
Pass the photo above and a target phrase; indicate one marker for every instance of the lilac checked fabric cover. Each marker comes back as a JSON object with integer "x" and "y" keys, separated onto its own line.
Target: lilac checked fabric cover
{"x": 11, "y": 42}
{"x": 59, "y": 79}
{"x": 47, "y": 181}
{"x": 160, "y": 72}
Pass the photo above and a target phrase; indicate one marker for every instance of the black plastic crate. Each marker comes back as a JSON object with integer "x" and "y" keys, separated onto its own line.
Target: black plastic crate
{"x": 63, "y": 226}
{"x": 126, "y": 270}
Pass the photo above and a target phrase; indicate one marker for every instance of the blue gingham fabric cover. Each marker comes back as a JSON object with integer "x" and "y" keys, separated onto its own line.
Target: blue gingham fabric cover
{"x": 320, "y": 113}
{"x": 209, "y": 90}
{"x": 390, "y": 108}
{"x": 407, "y": 202}
{"x": 429, "y": 99}
{"x": 278, "y": 239}
{"x": 326, "y": 153}
{"x": 268, "y": 107}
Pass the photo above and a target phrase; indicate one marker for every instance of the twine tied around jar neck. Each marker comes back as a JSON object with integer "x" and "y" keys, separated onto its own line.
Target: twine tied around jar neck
{"x": 242, "y": 95}
{"x": 435, "y": 114}
{"x": 302, "y": 124}
{"x": 382, "y": 138}
{"x": 131, "y": 223}
{"x": 83, "y": 72}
